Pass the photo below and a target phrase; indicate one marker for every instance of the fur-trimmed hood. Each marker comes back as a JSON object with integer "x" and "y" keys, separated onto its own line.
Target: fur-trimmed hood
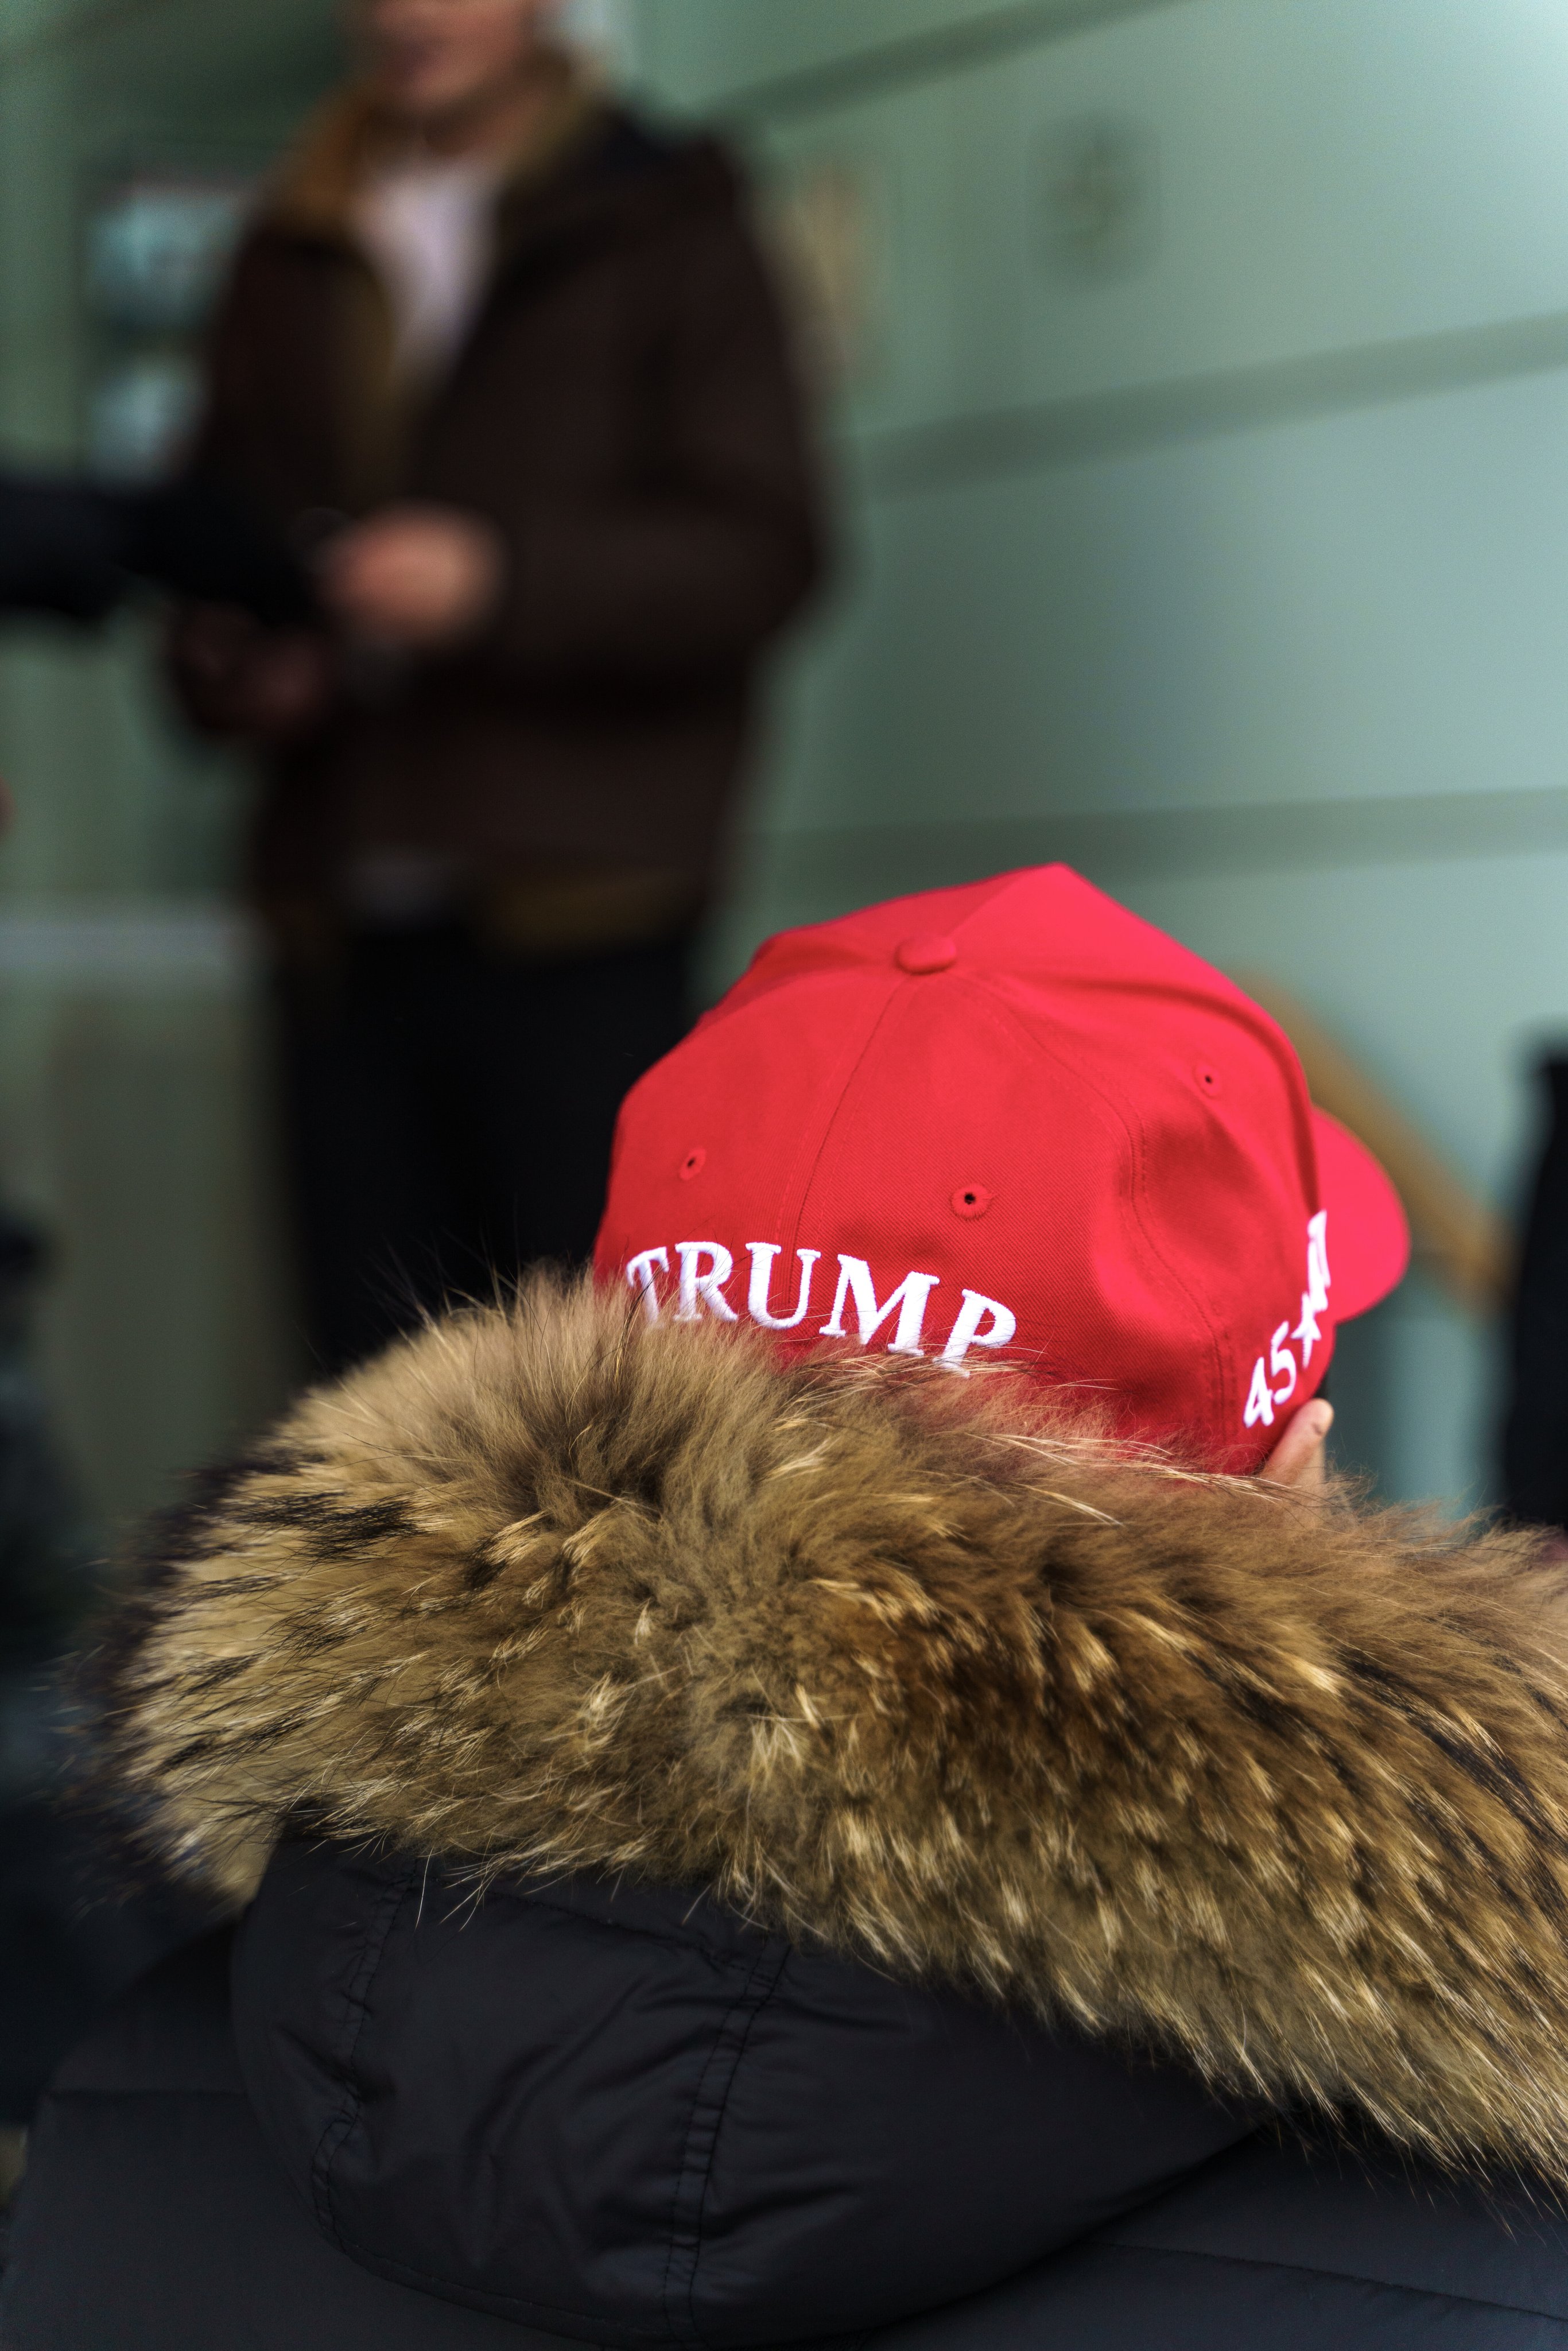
{"x": 899, "y": 1664}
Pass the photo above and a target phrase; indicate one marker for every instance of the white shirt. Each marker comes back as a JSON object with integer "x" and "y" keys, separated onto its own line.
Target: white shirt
{"x": 429, "y": 227}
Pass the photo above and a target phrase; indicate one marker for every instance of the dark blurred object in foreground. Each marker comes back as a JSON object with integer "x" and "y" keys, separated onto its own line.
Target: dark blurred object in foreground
{"x": 75, "y": 550}
{"x": 43, "y": 1573}
{"x": 69, "y": 1945}
{"x": 1535, "y": 1436}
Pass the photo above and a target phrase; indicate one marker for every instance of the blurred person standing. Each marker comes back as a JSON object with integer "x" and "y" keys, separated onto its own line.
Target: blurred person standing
{"x": 507, "y": 359}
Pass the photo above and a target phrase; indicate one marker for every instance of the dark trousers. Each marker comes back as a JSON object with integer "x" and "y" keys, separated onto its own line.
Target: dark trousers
{"x": 449, "y": 1116}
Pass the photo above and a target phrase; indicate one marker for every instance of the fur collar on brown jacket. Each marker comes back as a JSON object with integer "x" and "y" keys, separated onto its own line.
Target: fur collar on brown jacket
{"x": 319, "y": 181}
{"x": 896, "y": 1662}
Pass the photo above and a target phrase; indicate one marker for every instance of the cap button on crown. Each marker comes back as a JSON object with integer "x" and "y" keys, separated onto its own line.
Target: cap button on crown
{"x": 926, "y": 951}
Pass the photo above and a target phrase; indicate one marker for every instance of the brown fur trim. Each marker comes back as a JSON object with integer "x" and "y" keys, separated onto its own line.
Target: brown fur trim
{"x": 320, "y": 179}
{"x": 894, "y": 1661}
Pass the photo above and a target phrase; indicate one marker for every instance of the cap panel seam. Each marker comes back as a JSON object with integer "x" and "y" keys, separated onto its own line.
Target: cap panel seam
{"x": 797, "y": 1186}
{"x": 998, "y": 1009}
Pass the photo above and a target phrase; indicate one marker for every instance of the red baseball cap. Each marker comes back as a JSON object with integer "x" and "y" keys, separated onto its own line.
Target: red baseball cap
{"x": 1009, "y": 1122}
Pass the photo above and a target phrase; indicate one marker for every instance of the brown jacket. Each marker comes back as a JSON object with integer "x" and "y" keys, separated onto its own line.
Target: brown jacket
{"x": 624, "y": 409}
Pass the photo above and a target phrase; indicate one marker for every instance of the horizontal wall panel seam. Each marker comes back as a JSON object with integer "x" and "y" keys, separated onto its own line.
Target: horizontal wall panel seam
{"x": 1305, "y": 835}
{"x": 921, "y": 57}
{"x": 89, "y": 942}
{"x": 1124, "y": 419}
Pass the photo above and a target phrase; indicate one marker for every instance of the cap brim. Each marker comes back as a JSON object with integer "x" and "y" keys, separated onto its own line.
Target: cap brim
{"x": 1368, "y": 1235}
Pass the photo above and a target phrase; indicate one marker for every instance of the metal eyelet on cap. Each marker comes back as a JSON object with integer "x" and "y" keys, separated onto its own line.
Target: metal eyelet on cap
{"x": 971, "y": 1201}
{"x": 926, "y": 951}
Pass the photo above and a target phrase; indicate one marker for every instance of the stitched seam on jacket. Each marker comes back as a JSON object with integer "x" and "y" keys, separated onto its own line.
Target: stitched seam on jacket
{"x": 667, "y": 1937}
{"x": 701, "y": 2141}
{"x": 356, "y": 2016}
{"x": 1312, "y": 2269}
{"x": 479, "y": 2297}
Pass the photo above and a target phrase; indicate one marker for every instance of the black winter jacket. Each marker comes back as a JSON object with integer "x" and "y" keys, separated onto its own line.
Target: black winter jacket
{"x": 734, "y": 1856}
{"x": 157, "y": 2217}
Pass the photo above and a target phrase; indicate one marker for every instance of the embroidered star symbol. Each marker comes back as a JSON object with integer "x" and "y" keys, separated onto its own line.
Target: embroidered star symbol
{"x": 1308, "y": 1330}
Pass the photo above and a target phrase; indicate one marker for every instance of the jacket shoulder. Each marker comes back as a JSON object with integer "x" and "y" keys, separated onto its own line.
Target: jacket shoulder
{"x": 694, "y": 170}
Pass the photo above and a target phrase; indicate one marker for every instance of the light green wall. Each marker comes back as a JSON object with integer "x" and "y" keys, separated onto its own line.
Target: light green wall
{"x": 1239, "y": 580}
